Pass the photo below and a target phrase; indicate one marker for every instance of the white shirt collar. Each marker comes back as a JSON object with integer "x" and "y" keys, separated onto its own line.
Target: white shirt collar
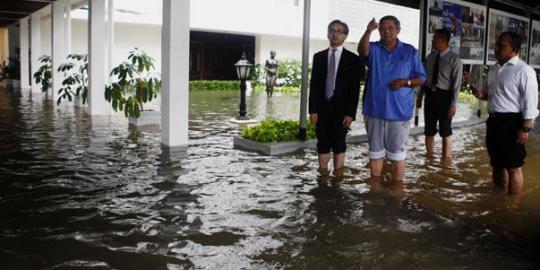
{"x": 338, "y": 48}
{"x": 514, "y": 60}
{"x": 445, "y": 52}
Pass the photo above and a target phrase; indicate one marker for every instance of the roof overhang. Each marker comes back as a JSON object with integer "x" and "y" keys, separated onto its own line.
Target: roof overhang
{"x": 13, "y": 10}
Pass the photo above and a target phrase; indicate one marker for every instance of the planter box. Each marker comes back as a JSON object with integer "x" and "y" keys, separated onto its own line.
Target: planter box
{"x": 271, "y": 149}
{"x": 147, "y": 118}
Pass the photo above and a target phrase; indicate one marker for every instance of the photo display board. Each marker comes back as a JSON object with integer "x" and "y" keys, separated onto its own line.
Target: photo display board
{"x": 499, "y": 22}
{"x": 466, "y": 23}
{"x": 534, "y": 56}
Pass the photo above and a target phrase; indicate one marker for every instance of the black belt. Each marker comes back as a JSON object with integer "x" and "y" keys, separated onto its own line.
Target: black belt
{"x": 435, "y": 89}
{"x": 504, "y": 114}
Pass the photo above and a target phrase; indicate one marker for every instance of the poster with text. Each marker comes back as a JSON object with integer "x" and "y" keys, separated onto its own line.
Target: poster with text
{"x": 534, "y": 56}
{"x": 499, "y": 22}
{"x": 466, "y": 23}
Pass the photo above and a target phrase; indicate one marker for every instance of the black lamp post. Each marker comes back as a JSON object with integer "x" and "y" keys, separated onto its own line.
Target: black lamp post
{"x": 243, "y": 67}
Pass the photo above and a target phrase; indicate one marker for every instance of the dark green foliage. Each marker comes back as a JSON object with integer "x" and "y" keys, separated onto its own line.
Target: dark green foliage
{"x": 214, "y": 85}
{"x": 13, "y": 68}
{"x": 276, "y": 131}
{"x": 76, "y": 78}
{"x": 44, "y": 73}
{"x": 135, "y": 84}
{"x": 257, "y": 72}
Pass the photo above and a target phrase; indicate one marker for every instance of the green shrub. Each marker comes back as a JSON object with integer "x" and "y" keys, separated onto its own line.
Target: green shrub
{"x": 277, "y": 131}
{"x": 44, "y": 74}
{"x": 257, "y": 73}
{"x": 289, "y": 72}
{"x": 134, "y": 83}
{"x": 467, "y": 97}
{"x": 282, "y": 89}
{"x": 214, "y": 85}
{"x": 75, "y": 82}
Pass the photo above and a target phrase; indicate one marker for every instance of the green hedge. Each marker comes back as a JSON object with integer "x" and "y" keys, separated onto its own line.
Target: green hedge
{"x": 235, "y": 85}
{"x": 282, "y": 89}
{"x": 214, "y": 85}
{"x": 277, "y": 131}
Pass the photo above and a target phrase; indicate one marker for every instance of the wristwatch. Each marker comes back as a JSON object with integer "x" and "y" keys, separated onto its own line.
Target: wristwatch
{"x": 409, "y": 83}
{"x": 525, "y": 129}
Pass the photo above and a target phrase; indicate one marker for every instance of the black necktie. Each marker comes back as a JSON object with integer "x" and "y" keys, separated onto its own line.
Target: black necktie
{"x": 435, "y": 76}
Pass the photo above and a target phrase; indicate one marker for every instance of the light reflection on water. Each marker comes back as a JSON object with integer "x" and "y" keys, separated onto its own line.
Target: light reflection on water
{"x": 88, "y": 193}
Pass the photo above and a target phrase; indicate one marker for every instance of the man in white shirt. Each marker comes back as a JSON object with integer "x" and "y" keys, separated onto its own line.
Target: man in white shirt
{"x": 512, "y": 95}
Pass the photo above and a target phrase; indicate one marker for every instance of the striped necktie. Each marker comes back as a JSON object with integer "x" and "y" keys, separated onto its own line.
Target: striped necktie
{"x": 331, "y": 75}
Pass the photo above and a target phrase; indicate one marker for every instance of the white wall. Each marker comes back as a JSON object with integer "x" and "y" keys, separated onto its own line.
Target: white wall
{"x": 291, "y": 47}
{"x": 46, "y": 36}
{"x": 126, "y": 38}
{"x": 276, "y": 24}
{"x": 4, "y": 45}
{"x": 79, "y": 36}
{"x": 273, "y": 17}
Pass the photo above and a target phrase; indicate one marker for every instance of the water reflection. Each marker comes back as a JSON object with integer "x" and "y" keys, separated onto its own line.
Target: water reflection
{"x": 80, "y": 192}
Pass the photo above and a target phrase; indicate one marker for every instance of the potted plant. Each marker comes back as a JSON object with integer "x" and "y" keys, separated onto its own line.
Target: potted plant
{"x": 75, "y": 84}
{"x": 44, "y": 73}
{"x": 135, "y": 83}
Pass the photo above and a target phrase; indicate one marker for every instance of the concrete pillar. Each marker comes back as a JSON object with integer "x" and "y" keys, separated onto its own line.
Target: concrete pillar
{"x": 67, "y": 32}
{"x": 305, "y": 63}
{"x": 58, "y": 47}
{"x": 13, "y": 40}
{"x": 25, "y": 53}
{"x": 35, "y": 48}
{"x": 110, "y": 37}
{"x": 175, "y": 74}
{"x": 97, "y": 105}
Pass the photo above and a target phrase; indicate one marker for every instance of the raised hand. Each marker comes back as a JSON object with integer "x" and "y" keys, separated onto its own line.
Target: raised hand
{"x": 372, "y": 25}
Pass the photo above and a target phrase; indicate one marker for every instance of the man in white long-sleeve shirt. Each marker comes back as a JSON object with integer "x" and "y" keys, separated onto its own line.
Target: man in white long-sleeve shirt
{"x": 512, "y": 95}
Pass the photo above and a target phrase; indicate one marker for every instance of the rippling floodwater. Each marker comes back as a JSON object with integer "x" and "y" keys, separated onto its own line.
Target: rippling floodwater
{"x": 82, "y": 193}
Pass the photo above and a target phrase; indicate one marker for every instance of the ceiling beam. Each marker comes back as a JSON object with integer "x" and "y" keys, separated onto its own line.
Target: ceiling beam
{"x": 40, "y": 1}
{"x": 14, "y": 12}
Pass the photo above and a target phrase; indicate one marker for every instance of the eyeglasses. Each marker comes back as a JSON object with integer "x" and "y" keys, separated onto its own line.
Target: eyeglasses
{"x": 384, "y": 29}
{"x": 337, "y": 32}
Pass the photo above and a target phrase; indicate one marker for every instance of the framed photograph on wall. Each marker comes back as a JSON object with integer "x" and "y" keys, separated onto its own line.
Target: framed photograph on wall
{"x": 499, "y": 22}
{"x": 534, "y": 54}
{"x": 466, "y": 23}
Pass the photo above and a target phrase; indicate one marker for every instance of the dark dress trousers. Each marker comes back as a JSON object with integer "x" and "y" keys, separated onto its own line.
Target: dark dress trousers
{"x": 329, "y": 129}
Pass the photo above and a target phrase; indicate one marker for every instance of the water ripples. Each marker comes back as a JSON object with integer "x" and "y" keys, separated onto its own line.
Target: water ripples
{"x": 81, "y": 193}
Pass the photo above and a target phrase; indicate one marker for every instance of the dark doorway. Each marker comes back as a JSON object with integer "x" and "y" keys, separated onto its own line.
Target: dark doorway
{"x": 212, "y": 55}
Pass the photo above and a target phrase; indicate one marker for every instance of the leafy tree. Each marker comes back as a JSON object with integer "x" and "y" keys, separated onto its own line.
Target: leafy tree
{"x": 44, "y": 73}
{"x": 76, "y": 78}
{"x": 136, "y": 83}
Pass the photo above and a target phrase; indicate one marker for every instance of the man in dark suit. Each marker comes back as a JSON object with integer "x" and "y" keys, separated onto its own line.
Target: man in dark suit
{"x": 333, "y": 96}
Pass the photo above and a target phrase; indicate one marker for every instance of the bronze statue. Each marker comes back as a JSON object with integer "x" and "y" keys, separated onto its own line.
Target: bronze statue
{"x": 271, "y": 68}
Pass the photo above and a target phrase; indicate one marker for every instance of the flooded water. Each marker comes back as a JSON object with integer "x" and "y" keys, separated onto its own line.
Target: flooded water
{"x": 82, "y": 193}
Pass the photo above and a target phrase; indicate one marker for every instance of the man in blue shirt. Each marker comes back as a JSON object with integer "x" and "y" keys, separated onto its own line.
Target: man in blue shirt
{"x": 394, "y": 70}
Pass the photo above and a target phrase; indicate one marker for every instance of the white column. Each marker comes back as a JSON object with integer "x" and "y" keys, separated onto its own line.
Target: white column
{"x": 67, "y": 32}
{"x": 175, "y": 73}
{"x": 35, "y": 48}
{"x": 58, "y": 47}
{"x": 97, "y": 105}
{"x": 25, "y": 57}
{"x": 110, "y": 37}
{"x": 13, "y": 41}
